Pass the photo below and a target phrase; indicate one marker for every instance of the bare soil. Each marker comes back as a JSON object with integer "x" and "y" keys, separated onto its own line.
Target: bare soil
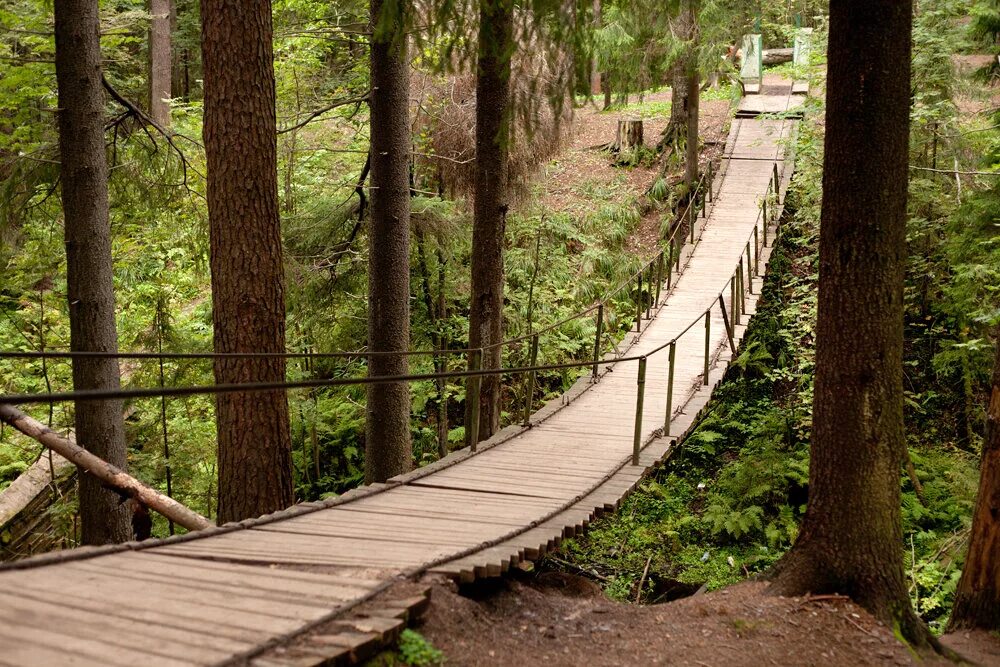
{"x": 582, "y": 163}
{"x": 559, "y": 619}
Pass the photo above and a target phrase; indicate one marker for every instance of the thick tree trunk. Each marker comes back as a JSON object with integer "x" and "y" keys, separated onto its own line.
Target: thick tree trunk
{"x": 851, "y": 537}
{"x": 90, "y": 288}
{"x": 693, "y": 94}
{"x": 160, "y": 62}
{"x": 110, "y": 475}
{"x": 387, "y": 430}
{"x": 248, "y": 300}
{"x": 595, "y": 70}
{"x": 496, "y": 43}
{"x": 672, "y": 138}
{"x": 977, "y": 599}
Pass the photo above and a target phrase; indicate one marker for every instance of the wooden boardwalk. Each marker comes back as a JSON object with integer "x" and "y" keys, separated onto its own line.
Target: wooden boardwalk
{"x": 246, "y": 593}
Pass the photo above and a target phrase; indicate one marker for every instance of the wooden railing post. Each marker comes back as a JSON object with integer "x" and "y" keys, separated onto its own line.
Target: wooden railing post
{"x": 742, "y": 288}
{"x": 670, "y": 389}
{"x": 637, "y": 440}
{"x": 638, "y": 305}
{"x": 597, "y": 338}
{"x": 692, "y": 214}
{"x": 659, "y": 276}
{"x": 749, "y": 275}
{"x": 729, "y": 326}
{"x": 777, "y": 184}
{"x": 708, "y": 341}
{"x": 708, "y": 179}
{"x": 649, "y": 284}
{"x": 532, "y": 378}
{"x": 677, "y": 254}
{"x": 732, "y": 300}
{"x": 472, "y": 386}
{"x": 756, "y": 251}
{"x": 764, "y": 218}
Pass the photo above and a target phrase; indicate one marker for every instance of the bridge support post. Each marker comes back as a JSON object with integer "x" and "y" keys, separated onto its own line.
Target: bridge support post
{"x": 742, "y": 288}
{"x": 638, "y": 304}
{"x": 649, "y": 285}
{"x": 670, "y": 266}
{"x": 708, "y": 179}
{"x": 472, "y": 386}
{"x": 764, "y": 218}
{"x": 637, "y": 440}
{"x": 692, "y": 213}
{"x": 756, "y": 252}
{"x": 659, "y": 276}
{"x": 670, "y": 389}
{"x": 532, "y": 378}
{"x": 732, "y": 300}
{"x": 597, "y": 338}
{"x": 708, "y": 341}
{"x": 728, "y": 325}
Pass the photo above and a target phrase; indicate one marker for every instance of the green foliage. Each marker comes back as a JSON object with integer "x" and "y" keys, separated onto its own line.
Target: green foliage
{"x": 415, "y": 650}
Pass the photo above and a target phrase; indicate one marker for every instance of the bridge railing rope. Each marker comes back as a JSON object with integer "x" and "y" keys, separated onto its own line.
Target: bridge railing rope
{"x": 656, "y": 273}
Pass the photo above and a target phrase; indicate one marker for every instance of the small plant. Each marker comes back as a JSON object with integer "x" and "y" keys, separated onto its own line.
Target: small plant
{"x": 415, "y": 650}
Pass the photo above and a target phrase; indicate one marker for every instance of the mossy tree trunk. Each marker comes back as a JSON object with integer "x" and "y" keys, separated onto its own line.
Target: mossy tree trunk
{"x": 387, "y": 416}
{"x": 493, "y": 117}
{"x": 100, "y": 426}
{"x": 977, "y": 599}
{"x": 851, "y": 537}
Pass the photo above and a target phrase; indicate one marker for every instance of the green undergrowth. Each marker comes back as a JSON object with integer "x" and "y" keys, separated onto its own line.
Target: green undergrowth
{"x": 729, "y": 502}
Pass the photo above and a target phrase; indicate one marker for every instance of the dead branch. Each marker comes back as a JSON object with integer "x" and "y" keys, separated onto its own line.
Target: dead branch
{"x": 319, "y": 112}
{"x": 111, "y": 475}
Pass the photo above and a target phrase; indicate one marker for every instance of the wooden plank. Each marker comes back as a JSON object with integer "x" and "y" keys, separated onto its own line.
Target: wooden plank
{"x": 117, "y": 632}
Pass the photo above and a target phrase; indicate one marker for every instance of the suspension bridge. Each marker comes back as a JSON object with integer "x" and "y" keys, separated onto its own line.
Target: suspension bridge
{"x": 329, "y": 582}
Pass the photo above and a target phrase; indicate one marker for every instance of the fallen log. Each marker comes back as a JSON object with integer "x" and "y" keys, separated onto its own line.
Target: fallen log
{"x": 777, "y": 56}
{"x": 111, "y": 475}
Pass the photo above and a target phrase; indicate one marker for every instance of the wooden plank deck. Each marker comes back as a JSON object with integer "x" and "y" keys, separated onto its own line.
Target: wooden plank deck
{"x": 236, "y": 592}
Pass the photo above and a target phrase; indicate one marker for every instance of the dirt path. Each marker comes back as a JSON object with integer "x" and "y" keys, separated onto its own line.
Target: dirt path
{"x": 568, "y": 183}
{"x": 559, "y": 619}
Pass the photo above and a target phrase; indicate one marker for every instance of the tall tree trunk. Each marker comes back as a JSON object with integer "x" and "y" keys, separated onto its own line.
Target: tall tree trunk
{"x": 673, "y": 134}
{"x": 693, "y": 93}
{"x": 248, "y": 299}
{"x": 851, "y": 536}
{"x": 595, "y": 71}
{"x": 496, "y": 44}
{"x": 160, "y": 62}
{"x": 977, "y": 599}
{"x": 387, "y": 432}
{"x": 89, "y": 268}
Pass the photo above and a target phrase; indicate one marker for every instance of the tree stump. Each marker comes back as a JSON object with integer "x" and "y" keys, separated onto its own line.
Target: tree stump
{"x": 629, "y": 134}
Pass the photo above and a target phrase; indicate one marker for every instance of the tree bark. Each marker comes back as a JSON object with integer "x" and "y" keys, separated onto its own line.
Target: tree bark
{"x": 629, "y": 134}
{"x": 102, "y": 471}
{"x": 160, "y": 62}
{"x": 977, "y": 598}
{"x": 248, "y": 301}
{"x": 496, "y": 43}
{"x": 693, "y": 95}
{"x": 387, "y": 431}
{"x": 595, "y": 70}
{"x": 851, "y": 537}
{"x": 673, "y": 134}
{"x": 89, "y": 266}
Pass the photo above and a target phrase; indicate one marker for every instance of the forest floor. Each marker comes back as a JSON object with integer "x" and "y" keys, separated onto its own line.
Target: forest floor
{"x": 560, "y": 619}
{"x": 555, "y": 618}
{"x": 568, "y": 184}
